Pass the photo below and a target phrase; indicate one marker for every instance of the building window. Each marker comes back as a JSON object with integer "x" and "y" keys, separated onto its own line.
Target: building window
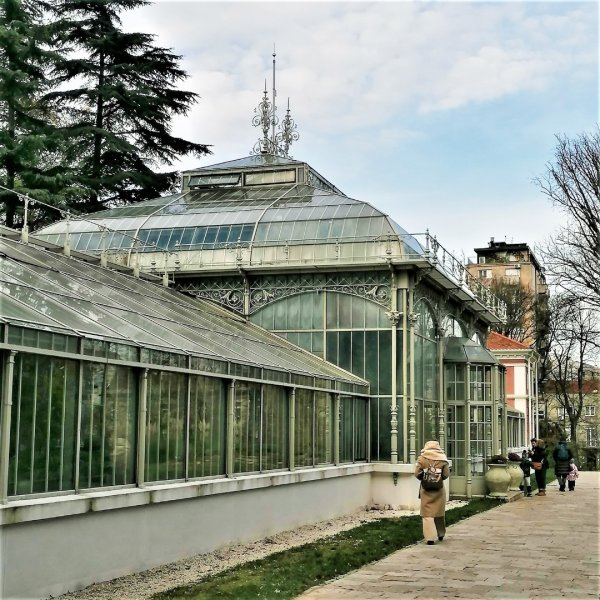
{"x": 591, "y": 436}
{"x": 481, "y": 260}
{"x": 590, "y": 410}
{"x": 485, "y": 273}
{"x": 511, "y": 272}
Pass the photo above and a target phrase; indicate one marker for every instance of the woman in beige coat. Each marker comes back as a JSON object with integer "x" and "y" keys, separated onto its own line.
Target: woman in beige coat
{"x": 433, "y": 502}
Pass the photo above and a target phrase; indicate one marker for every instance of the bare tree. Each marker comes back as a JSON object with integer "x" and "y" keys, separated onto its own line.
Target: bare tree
{"x": 574, "y": 331}
{"x": 526, "y": 312}
{"x": 572, "y": 182}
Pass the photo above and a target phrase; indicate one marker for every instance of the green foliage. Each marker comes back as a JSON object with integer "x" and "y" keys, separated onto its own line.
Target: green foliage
{"x": 118, "y": 95}
{"x": 28, "y": 141}
{"x": 85, "y": 108}
{"x": 287, "y": 574}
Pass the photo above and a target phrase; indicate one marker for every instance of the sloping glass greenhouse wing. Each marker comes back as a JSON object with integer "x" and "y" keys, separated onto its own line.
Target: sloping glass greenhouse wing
{"x": 47, "y": 291}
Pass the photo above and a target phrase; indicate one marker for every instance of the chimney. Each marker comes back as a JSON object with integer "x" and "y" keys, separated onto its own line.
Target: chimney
{"x": 491, "y": 242}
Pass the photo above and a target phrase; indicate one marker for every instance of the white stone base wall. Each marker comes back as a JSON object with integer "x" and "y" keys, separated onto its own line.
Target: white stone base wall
{"x": 49, "y": 546}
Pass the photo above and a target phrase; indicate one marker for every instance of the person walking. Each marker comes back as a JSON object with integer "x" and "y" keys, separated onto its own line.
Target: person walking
{"x": 526, "y": 468}
{"x": 539, "y": 462}
{"x": 431, "y": 469}
{"x": 562, "y": 456}
{"x": 572, "y": 476}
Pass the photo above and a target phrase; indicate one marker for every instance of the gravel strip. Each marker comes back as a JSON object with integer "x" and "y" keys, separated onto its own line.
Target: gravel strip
{"x": 145, "y": 584}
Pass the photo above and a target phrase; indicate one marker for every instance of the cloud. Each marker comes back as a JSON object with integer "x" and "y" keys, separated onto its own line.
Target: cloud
{"x": 373, "y": 84}
{"x": 356, "y": 64}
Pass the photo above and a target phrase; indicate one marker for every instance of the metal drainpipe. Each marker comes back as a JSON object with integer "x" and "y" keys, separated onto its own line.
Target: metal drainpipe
{"x": 468, "y": 430}
{"x": 336, "y": 433}
{"x": 394, "y": 317}
{"x": 504, "y": 424}
{"x": 292, "y": 427}
{"x": 495, "y": 396}
{"x": 7, "y": 388}
{"x": 412, "y": 424}
{"x": 188, "y": 406}
{"x": 141, "y": 456}
{"x": 405, "y": 372}
{"x": 441, "y": 398}
{"x": 230, "y": 428}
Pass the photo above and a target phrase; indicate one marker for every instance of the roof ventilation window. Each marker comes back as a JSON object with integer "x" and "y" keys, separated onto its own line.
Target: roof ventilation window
{"x": 270, "y": 177}
{"x": 225, "y": 179}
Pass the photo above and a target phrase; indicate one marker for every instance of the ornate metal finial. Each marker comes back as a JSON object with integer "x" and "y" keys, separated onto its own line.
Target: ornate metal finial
{"x": 279, "y": 142}
{"x": 287, "y": 132}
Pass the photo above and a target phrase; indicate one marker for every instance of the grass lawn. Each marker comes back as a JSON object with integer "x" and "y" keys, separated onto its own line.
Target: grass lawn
{"x": 289, "y": 573}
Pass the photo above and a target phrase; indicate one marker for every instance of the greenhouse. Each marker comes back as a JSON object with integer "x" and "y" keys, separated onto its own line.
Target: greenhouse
{"x": 271, "y": 239}
{"x": 114, "y": 385}
{"x": 256, "y": 352}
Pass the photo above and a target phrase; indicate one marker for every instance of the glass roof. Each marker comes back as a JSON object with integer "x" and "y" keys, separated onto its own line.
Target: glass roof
{"x": 214, "y": 217}
{"x": 43, "y": 289}
{"x": 464, "y": 350}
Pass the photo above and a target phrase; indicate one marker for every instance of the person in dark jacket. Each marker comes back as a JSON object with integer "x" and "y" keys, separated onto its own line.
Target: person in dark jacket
{"x": 526, "y": 468}
{"x": 562, "y": 456}
{"x": 538, "y": 457}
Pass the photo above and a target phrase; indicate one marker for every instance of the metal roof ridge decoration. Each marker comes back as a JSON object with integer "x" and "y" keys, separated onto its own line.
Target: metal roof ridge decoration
{"x": 272, "y": 142}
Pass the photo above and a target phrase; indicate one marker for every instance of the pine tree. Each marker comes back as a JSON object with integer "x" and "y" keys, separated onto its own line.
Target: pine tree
{"x": 119, "y": 93}
{"x": 28, "y": 141}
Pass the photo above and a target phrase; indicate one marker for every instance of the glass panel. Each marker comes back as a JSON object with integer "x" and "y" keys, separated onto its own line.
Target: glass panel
{"x": 323, "y": 229}
{"x": 108, "y": 426}
{"x": 323, "y": 428}
{"x": 303, "y": 428}
{"x": 222, "y": 235}
{"x": 207, "y": 427}
{"x": 381, "y": 431}
{"x": 385, "y": 362}
{"x": 337, "y": 226}
{"x": 165, "y": 424}
{"x": 360, "y": 429}
{"x": 234, "y": 233}
{"x": 274, "y": 231}
{"x": 268, "y": 177}
{"x": 358, "y": 353}
{"x": 211, "y": 236}
{"x": 286, "y": 231}
{"x": 246, "y": 428}
{"x": 456, "y": 438}
{"x": 187, "y": 236}
{"x": 43, "y": 425}
{"x": 481, "y": 438}
{"x": 430, "y": 423}
{"x": 310, "y": 234}
{"x": 163, "y": 238}
{"x": 346, "y": 430}
{"x": 199, "y": 236}
{"x": 274, "y": 428}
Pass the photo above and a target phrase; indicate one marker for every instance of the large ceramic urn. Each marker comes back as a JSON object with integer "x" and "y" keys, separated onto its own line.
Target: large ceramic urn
{"x": 516, "y": 474}
{"x": 497, "y": 479}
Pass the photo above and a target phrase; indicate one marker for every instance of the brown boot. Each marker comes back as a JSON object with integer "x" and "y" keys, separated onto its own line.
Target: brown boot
{"x": 541, "y": 493}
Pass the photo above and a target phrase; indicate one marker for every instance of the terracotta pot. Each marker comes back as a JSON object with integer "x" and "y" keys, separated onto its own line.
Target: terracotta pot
{"x": 497, "y": 479}
{"x": 516, "y": 474}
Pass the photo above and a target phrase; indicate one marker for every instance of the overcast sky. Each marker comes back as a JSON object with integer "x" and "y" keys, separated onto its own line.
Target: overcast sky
{"x": 438, "y": 113}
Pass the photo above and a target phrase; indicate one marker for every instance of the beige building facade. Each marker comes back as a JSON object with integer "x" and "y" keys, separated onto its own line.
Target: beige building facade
{"x": 512, "y": 263}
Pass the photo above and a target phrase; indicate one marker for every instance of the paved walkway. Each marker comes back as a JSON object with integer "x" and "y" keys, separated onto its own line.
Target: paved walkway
{"x": 546, "y": 547}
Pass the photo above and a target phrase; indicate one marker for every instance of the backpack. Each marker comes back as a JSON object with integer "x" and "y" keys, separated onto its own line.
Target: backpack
{"x": 563, "y": 453}
{"x": 432, "y": 478}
